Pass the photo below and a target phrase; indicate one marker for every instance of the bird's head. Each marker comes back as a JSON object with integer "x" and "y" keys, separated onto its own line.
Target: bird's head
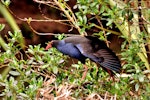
{"x": 49, "y": 45}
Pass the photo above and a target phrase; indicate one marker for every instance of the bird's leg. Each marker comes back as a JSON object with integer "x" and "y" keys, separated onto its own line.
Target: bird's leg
{"x": 84, "y": 73}
{"x": 111, "y": 75}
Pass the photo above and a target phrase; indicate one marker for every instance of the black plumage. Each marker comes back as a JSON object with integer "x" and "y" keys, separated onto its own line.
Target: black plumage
{"x": 82, "y": 47}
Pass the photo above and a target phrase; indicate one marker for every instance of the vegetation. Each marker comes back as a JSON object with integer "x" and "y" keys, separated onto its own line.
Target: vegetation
{"x": 35, "y": 73}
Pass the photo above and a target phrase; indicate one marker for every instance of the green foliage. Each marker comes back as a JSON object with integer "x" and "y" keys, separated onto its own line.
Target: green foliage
{"x": 22, "y": 81}
{"x": 11, "y": 21}
{"x": 36, "y": 73}
{"x": 25, "y": 77}
{"x": 134, "y": 66}
{"x": 60, "y": 36}
{"x": 86, "y": 7}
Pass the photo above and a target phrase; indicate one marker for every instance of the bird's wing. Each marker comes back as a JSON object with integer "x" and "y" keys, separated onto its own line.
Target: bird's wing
{"x": 104, "y": 56}
{"x": 110, "y": 60}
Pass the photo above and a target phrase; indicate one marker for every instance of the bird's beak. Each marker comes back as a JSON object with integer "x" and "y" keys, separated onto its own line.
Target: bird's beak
{"x": 49, "y": 45}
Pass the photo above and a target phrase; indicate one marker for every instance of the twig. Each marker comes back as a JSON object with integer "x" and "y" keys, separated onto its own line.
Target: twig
{"x": 107, "y": 42}
{"x": 48, "y": 33}
{"x": 71, "y": 18}
{"x": 104, "y": 29}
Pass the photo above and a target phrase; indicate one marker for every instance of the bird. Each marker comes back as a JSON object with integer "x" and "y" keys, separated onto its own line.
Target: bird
{"x": 83, "y": 47}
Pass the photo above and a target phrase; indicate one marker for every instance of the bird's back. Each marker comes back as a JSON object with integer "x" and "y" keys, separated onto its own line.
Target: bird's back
{"x": 76, "y": 39}
{"x": 97, "y": 51}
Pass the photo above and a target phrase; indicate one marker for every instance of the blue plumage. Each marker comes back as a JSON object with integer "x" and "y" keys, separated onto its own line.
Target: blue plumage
{"x": 71, "y": 50}
{"x": 81, "y": 47}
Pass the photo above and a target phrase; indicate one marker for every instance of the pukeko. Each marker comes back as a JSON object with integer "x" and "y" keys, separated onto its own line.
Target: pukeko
{"x": 82, "y": 47}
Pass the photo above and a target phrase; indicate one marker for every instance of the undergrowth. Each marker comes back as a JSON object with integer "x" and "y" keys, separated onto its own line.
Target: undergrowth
{"x": 34, "y": 73}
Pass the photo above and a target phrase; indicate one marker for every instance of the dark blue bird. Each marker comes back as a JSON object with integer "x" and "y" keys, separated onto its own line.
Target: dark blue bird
{"x": 82, "y": 47}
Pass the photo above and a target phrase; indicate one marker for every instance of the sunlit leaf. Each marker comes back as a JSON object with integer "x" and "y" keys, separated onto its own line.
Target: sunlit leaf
{"x": 137, "y": 87}
{"x": 141, "y": 78}
{"x": 2, "y": 26}
{"x": 14, "y": 73}
{"x": 55, "y": 70}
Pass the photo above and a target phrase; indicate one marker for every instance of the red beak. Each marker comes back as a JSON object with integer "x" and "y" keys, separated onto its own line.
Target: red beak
{"x": 49, "y": 45}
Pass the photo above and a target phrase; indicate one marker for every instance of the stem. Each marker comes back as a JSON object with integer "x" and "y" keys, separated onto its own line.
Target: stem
{"x": 5, "y": 72}
{"x": 107, "y": 30}
{"x": 3, "y": 44}
{"x": 12, "y": 23}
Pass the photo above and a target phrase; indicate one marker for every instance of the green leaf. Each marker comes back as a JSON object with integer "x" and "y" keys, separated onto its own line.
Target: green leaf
{"x": 60, "y": 36}
{"x": 141, "y": 78}
{"x": 77, "y": 66}
{"x": 55, "y": 70}
{"x": 45, "y": 66}
{"x": 110, "y": 21}
{"x": 31, "y": 60}
{"x": 102, "y": 9}
{"x": 28, "y": 73}
{"x": 84, "y": 19}
{"x": 137, "y": 87}
{"x": 14, "y": 73}
{"x": 23, "y": 95}
{"x": 88, "y": 76}
{"x": 80, "y": 18}
{"x": 31, "y": 51}
{"x": 117, "y": 86}
{"x": 2, "y": 26}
